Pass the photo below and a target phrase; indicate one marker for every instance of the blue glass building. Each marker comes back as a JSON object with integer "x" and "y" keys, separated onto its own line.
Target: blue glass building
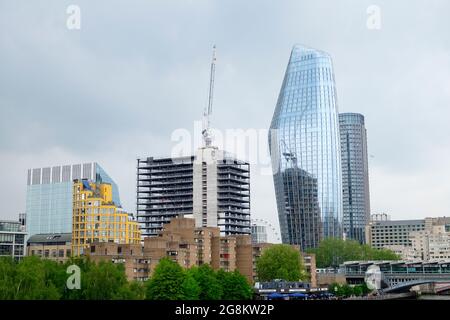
{"x": 355, "y": 175}
{"x": 304, "y": 145}
{"x": 49, "y": 195}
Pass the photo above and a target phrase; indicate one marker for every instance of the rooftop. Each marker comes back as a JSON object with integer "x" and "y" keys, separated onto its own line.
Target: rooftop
{"x": 50, "y": 238}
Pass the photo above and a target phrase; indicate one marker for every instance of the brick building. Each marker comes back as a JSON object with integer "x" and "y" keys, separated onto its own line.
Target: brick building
{"x": 189, "y": 246}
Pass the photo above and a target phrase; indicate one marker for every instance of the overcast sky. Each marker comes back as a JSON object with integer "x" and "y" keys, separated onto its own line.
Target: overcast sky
{"x": 137, "y": 70}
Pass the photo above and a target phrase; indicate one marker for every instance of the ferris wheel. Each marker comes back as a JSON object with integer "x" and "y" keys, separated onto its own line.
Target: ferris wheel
{"x": 271, "y": 230}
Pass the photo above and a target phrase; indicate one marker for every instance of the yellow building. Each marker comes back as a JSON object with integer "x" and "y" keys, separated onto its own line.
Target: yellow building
{"x": 97, "y": 219}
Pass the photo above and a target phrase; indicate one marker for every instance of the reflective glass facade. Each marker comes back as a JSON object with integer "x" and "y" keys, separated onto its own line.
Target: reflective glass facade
{"x": 305, "y": 150}
{"x": 355, "y": 176}
{"x": 49, "y": 195}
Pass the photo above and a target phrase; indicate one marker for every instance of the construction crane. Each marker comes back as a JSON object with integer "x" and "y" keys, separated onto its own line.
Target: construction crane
{"x": 289, "y": 156}
{"x": 206, "y": 132}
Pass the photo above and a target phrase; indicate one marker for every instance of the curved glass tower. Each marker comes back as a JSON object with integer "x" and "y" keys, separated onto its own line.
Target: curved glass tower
{"x": 304, "y": 145}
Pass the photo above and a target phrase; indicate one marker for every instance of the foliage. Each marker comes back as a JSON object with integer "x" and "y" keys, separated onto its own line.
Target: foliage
{"x": 280, "y": 261}
{"x": 166, "y": 282}
{"x": 27, "y": 280}
{"x": 36, "y": 278}
{"x": 332, "y": 252}
{"x": 344, "y": 290}
{"x": 104, "y": 281}
{"x": 210, "y": 288}
{"x": 234, "y": 286}
{"x": 191, "y": 289}
{"x": 134, "y": 291}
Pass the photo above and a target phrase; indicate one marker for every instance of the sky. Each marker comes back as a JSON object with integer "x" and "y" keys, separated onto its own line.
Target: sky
{"x": 136, "y": 71}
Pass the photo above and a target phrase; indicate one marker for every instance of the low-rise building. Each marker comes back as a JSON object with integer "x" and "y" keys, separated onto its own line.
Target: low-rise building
{"x": 382, "y": 233}
{"x": 182, "y": 242}
{"x": 12, "y": 239}
{"x": 404, "y": 252}
{"x": 432, "y": 242}
{"x": 189, "y": 246}
{"x": 136, "y": 266}
{"x": 53, "y": 246}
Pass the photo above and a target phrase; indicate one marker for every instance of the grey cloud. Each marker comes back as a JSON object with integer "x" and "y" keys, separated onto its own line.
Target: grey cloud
{"x": 138, "y": 70}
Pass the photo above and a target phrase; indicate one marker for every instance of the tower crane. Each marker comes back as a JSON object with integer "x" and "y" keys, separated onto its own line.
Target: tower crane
{"x": 206, "y": 132}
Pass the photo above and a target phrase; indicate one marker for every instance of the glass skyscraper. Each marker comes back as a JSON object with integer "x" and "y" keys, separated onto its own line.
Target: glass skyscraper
{"x": 49, "y": 195}
{"x": 305, "y": 150}
{"x": 355, "y": 175}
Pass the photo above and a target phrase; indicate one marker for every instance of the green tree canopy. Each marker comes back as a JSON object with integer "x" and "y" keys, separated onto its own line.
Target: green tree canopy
{"x": 104, "y": 281}
{"x": 210, "y": 288}
{"x": 191, "y": 289}
{"x": 280, "y": 261}
{"x": 234, "y": 285}
{"x": 332, "y": 252}
{"x": 345, "y": 290}
{"x": 28, "y": 279}
{"x": 166, "y": 282}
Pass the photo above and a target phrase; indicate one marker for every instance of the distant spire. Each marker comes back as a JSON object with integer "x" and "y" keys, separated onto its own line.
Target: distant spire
{"x": 208, "y": 110}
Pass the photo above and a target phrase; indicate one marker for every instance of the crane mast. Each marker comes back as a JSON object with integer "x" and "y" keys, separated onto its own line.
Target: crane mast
{"x": 207, "y": 138}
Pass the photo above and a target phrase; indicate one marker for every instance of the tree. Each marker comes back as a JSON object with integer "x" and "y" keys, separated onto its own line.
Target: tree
{"x": 384, "y": 254}
{"x": 210, "y": 288}
{"x": 191, "y": 289}
{"x": 280, "y": 261}
{"x": 7, "y": 267}
{"x": 104, "y": 281}
{"x": 234, "y": 285}
{"x": 166, "y": 282}
{"x": 28, "y": 279}
{"x": 133, "y": 290}
{"x": 332, "y": 252}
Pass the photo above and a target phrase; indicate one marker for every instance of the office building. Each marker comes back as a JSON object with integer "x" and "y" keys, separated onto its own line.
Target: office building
{"x": 355, "y": 176}
{"x": 54, "y": 246}
{"x": 212, "y": 186}
{"x": 259, "y": 233}
{"x": 49, "y": 195}
{"x": 384, "y": 233}
{"x": 12, "y": 239}
{"x": 304, "y": 138}
{"x": 96, "y": 218}
{"x": 430, "y": 244}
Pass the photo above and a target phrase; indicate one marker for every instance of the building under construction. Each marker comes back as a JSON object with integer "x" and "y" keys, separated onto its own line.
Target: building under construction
{"x": 212, "y": 186}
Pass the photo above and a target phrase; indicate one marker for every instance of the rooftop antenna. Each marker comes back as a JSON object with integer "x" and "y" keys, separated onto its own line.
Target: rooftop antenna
{"x": 206, "y": 132}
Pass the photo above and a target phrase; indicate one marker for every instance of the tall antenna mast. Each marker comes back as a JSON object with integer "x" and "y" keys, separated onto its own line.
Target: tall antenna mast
{"x": 208, "y": 111}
